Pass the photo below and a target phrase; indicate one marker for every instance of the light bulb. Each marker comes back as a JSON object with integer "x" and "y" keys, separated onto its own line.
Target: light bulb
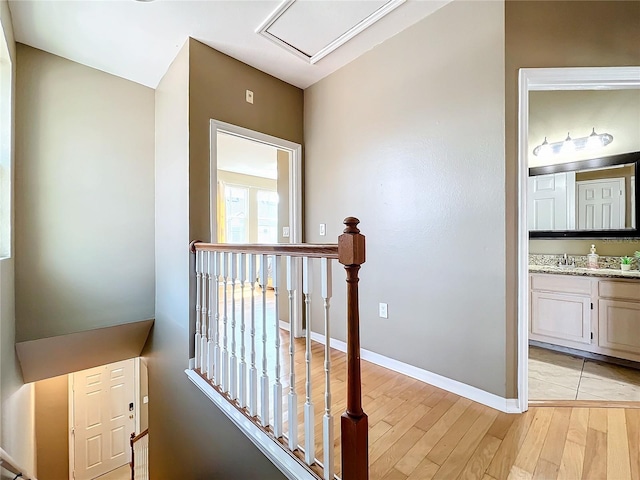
{"x": 594, "y": 141}
{"x": 545, "y": 149}
{"x": 567, "y": 146}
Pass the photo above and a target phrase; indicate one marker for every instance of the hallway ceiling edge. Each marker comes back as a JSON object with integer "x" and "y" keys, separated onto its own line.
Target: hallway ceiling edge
{"x": 138, "y": 40}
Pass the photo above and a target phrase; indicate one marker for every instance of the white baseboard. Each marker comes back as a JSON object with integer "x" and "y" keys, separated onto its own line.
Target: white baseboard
{"x": 508, "y": 405}
{"x": 285, "y": 325}
{"x": 275, "y": 452}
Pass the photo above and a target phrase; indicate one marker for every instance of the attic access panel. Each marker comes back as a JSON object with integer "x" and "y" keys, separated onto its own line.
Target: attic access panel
{"x": 312, "y": 29}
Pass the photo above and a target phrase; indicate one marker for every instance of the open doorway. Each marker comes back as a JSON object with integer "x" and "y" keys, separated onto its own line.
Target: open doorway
{"x": 256, "y": 195}
{"x": 577, "y": 327}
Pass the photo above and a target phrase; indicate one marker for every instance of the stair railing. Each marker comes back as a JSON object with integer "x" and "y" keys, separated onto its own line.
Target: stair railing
{"x": 8, "y": 463}
{"x": 140, "y": 455}
{"x": 257, "y": 370}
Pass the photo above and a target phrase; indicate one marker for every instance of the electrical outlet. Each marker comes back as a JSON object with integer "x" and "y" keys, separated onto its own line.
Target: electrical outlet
{"x": 323, "y": 229}
{"x": 249, "y": 96}
{"x": 382, "y": 308}
{"x": 285, "y": 232}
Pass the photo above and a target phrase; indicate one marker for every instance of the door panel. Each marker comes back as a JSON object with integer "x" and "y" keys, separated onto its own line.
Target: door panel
{"x": 601, "y": 204}
{"x": 103, "y": 423}
{"x": 551, "y": 201}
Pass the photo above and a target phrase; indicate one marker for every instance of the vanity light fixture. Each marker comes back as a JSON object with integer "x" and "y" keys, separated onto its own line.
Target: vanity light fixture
{"x": 570, "y": 145}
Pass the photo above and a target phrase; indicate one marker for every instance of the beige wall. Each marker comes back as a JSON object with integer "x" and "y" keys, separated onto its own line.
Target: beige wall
{"x": 84, "y": 197}
{"x": 411, "y": 142}
{"x": 17, "y": 424}
{"x": 189, "y": 436}
{"x": 52, "y": 428}
{"x": 217, "y": 84}
{"x": 557, "y": 34}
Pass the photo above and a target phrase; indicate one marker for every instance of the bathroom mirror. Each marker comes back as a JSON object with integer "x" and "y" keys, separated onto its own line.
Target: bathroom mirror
{"x": 590, "y": 196}
{"x": 589, "y": 189}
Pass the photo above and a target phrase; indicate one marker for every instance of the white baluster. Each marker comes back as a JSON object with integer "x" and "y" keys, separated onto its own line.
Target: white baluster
{"x": 225, "y": 339}
{"x": 242, "y": 391}
{"x": 212, "y": 297}
{"x": 264, "y": 379}
{"x": 253, "y": 371}
{"x": 205, "y": 313}
{"x": 293, "y": 396}
{"x": 327, "y": 419}
{"x": 198, "y": 336}
{"x": 277, "y": 386}
{"x": 217, "y": 354}
{"x": 309, "y": 431}
{"x": 233, "y": 390}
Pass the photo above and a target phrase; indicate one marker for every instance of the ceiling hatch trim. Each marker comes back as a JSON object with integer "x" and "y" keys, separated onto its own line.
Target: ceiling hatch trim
{"x": 264, "y": 30}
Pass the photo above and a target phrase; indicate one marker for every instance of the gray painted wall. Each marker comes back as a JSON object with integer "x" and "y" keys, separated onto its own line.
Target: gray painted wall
{"x": 409, "y": 138}
{"x": 84, "y": 197}
{"x": 189, "y": 436}
{"x": 17, "y": 424}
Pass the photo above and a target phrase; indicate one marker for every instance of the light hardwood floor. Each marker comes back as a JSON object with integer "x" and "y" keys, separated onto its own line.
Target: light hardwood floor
{"x": 419, "y": 432}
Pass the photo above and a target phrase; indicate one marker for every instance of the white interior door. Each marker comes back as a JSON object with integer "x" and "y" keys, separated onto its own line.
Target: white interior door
{"x": 551, "y": 201}
{"x": 601, "y": 204}
{"x": 103, "y": 418}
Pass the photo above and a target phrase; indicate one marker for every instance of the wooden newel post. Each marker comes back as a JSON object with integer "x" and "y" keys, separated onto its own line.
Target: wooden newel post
{"x": 354, "y": 423}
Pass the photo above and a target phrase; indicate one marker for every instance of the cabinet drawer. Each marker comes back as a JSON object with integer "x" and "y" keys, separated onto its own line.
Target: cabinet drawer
{"x": 562, "y": 283}
{"x": 620, "y": 289}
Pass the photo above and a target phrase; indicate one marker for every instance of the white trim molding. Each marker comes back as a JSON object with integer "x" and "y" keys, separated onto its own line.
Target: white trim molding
{"x": 546, "y": 79}
{"x": 275, "y": 452}
{"x": 295, "y": 191}
{"x": 263, "y": 29}
{"x": 508, "y": 405}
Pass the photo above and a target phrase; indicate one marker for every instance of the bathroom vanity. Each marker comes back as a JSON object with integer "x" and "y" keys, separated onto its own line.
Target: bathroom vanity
{"x": 596, "y": 311}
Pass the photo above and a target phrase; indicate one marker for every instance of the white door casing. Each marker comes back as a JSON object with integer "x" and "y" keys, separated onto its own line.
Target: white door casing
{"x": 551, "y": 201}
{"x": 103, "y": 418}
{"x": 547, "y": 79}
{"x": 295, "y": 194}
{"x": 601, "y": 204}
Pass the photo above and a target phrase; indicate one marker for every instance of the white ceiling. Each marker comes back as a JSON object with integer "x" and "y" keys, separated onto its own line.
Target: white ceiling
{"x": 138, "y": 40}
{"x": 239, "y": 155}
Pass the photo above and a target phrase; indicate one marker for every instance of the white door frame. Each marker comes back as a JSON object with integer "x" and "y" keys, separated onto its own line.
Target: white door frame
{"x": 295, "y": 192}
{"x": 537, "y": 79}
{"x": 72, "y": 410}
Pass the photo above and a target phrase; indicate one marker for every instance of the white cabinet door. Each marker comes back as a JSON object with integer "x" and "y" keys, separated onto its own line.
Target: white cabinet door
{"x": 551, "y": 201}
{"x": 560, "y": 316}
{"x": 601, "y": 204}
{"x": 619, "y": 326}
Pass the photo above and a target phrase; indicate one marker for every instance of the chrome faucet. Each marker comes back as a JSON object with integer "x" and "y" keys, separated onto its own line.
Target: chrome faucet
{"x": 564, "y": 262}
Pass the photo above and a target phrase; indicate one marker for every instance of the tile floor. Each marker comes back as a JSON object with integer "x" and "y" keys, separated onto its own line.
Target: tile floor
{"x": 559, "y": 376}
{"x": 122, "y": 473}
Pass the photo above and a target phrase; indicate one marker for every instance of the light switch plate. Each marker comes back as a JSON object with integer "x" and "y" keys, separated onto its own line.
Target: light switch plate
{"x": 285, "y": 232}
{"x": 383, "y": 312}
{"x": 323, "y": 229}
{"x": 249, "y": 96}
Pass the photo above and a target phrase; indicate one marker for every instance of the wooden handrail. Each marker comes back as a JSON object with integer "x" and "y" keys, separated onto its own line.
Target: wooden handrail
{"x": 8, "y": 463}
{"x": 309, "y": 250}
{"x": 349, "y": 251}
{"x": 134, "y": 438}
{"x": 354, "y": 422}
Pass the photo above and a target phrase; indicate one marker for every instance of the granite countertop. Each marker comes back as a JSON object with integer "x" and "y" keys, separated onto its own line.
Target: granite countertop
{"x": 585, "y": 272}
